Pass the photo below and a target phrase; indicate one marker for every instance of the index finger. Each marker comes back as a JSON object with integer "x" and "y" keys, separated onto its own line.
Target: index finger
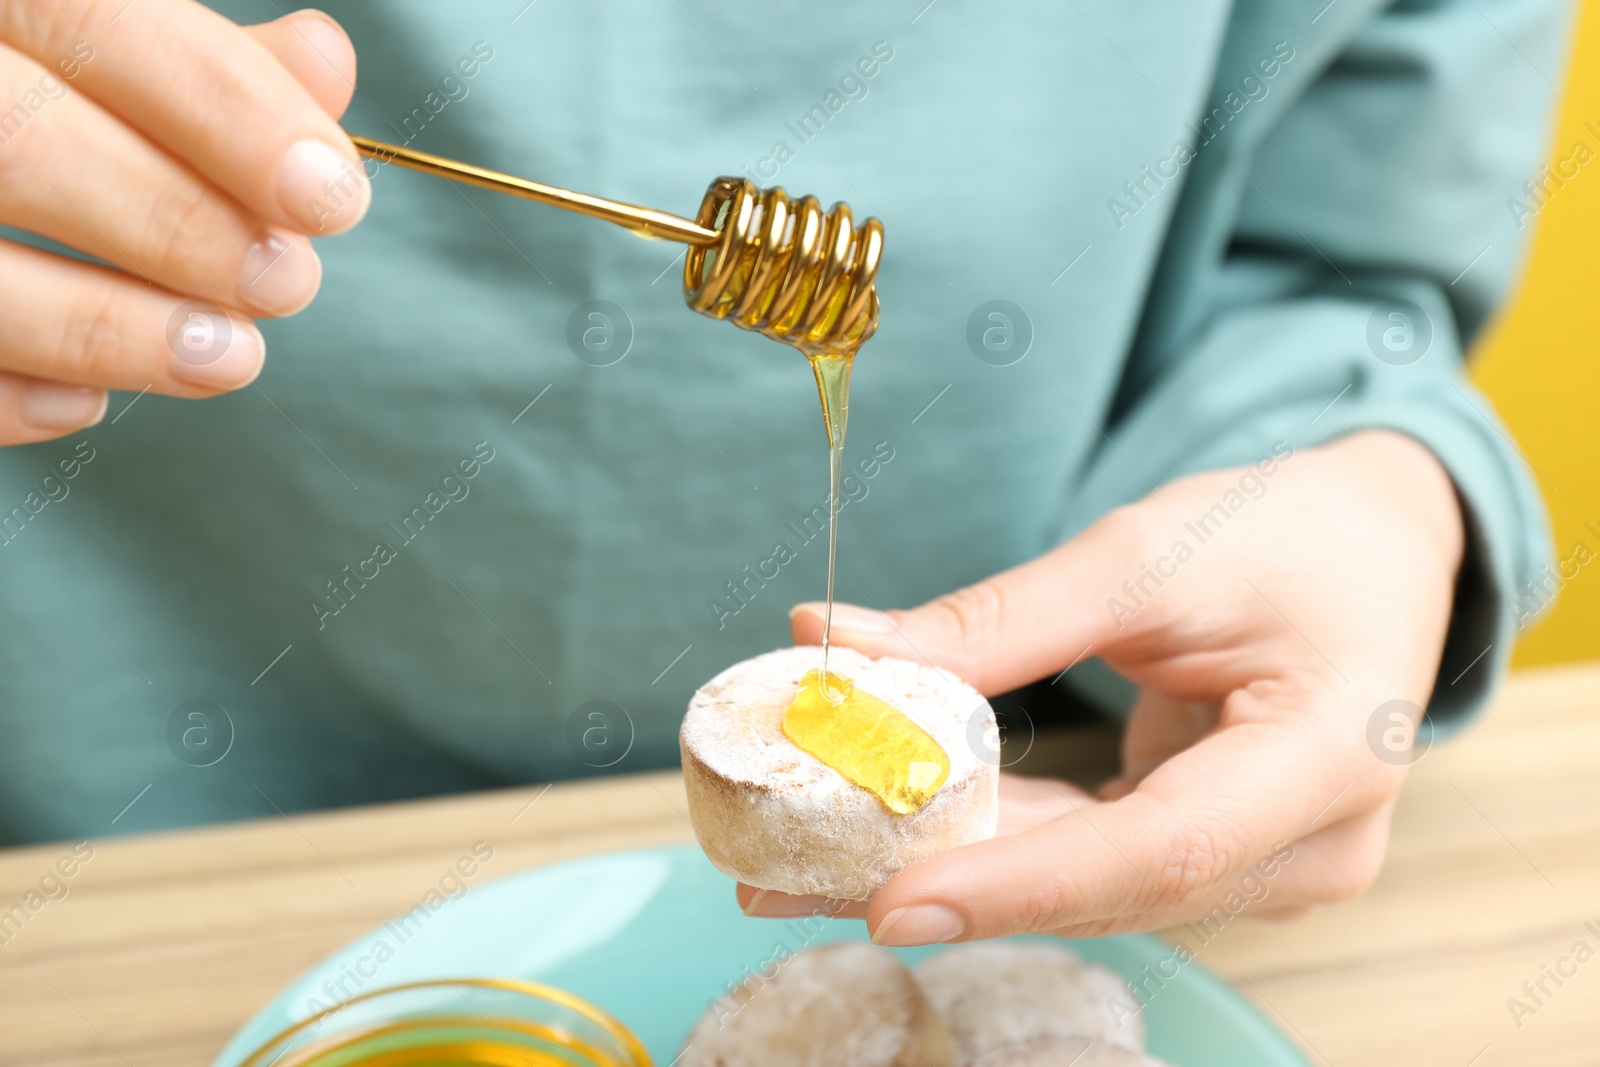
{"x": 209, "y": 94}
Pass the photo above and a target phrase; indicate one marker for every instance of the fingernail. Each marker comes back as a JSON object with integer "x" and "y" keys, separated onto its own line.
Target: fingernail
{"x": 49, "y": 406}
{"x": 321, "y": 188}
{"x": 215, "y": 350}
{"x": 850, "y": 617}
{"x": 921, "y": 924}
{"x": 326, "y": 37}
{"x": 783, "y": 906}
{"x": 280, "y": 275}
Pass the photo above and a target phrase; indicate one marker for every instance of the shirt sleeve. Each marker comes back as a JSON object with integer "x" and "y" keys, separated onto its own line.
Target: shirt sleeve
{"x": 1331, "y": 257}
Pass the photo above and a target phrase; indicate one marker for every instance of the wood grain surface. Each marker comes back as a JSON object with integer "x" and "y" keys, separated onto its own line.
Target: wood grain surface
{"x": 164, "y": 944}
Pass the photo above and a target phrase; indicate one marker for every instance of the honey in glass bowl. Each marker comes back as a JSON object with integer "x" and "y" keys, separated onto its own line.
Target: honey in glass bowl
{"x": 463, "y": 1022}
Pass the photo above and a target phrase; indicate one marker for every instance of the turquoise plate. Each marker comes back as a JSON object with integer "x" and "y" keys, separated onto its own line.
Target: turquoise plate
{"x": 654, "y": 936}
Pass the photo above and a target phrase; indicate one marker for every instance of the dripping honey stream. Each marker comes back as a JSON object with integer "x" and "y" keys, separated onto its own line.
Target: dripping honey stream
{"x": 865, "y": 739}
{"x": 833, "y": 386}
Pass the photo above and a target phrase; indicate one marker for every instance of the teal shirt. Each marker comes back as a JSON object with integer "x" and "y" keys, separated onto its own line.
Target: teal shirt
{"x": 463, "y": 534}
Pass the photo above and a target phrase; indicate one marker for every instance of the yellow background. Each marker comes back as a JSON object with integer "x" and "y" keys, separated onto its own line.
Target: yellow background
{"x": 1540, "y": 366}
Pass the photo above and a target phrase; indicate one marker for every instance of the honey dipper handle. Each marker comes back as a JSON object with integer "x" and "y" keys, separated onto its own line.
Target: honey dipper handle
{"x": 642, "y": 220}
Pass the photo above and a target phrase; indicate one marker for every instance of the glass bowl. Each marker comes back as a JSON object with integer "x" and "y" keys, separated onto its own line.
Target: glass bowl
{"x": 462, "y": 1022}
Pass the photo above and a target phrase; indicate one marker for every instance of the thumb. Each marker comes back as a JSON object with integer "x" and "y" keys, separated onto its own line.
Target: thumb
{"x": 1021, "y": 625}
{"x": 317, "y": 51}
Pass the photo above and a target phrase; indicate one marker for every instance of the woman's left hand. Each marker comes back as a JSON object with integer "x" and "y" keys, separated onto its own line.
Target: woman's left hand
{"x": 1266, "y": 654}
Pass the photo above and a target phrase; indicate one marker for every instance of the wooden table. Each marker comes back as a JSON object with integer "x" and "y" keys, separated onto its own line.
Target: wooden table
{"x": 167, "y": 943}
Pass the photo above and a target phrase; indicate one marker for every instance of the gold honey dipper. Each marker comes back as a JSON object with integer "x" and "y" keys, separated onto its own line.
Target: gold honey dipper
{"x": 781, "y": 267}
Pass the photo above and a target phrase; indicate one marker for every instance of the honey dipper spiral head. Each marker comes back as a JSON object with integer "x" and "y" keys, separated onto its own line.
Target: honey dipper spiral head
{"x": 785, "y": 268}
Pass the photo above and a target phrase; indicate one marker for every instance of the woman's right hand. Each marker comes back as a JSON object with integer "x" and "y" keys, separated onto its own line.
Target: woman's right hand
{"x": 191, "y": 154}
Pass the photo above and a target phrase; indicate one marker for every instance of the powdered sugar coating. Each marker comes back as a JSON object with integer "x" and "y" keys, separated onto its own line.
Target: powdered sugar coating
{"x": 842, "y": 1005}
{"x": 999, "y": 994}
{"x": 776, "y": 817}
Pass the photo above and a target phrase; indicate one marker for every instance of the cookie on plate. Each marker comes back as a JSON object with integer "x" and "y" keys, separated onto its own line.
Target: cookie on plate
{"x": 841, "y": 1005}
{"x": 997, "y": 994}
